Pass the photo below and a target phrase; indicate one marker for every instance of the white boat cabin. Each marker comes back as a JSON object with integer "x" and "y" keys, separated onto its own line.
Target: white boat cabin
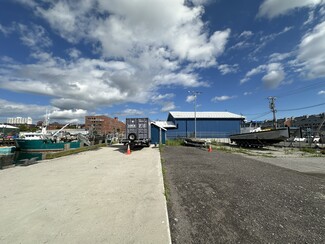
{"x": 32, "y": 136}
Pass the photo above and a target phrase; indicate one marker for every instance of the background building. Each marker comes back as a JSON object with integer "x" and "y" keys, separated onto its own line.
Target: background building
{"x": 208, "y": 124}
{"x": 20, "y": 121}
{"x": 103, "y": 125}
{"x": 312, "y": 123}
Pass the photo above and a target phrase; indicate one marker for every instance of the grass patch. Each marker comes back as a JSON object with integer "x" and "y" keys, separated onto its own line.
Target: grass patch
{"x": 288, "y": 151}
{"x": 161, "y": 148}
{"x": 176, "y": 142}
{"x": 166, "y": 187}
{"x": 308, "y": 150}
{"x": 267, "y": 155}
{"x": 224, "y": 149}
{"x": 73, "y": 151}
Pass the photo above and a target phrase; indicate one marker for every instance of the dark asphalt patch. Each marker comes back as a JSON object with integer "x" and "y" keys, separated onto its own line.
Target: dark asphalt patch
{"x": 219, "y": 197}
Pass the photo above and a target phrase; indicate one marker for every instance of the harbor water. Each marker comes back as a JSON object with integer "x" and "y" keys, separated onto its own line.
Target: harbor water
{"x": 18, "y": 158}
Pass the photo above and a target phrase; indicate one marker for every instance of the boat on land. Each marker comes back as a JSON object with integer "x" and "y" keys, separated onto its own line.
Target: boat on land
{"x": 261, "y": 138}
{"x": 194, "y": 142}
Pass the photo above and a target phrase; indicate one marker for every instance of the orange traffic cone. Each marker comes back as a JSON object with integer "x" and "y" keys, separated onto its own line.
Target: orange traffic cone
{"x": 210, "y": 148}
{"x": 128, "y": 151}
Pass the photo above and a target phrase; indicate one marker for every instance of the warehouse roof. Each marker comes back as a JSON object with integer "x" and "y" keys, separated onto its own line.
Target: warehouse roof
{"x": 165, "y": 124}
{"x": 205, "y": 115}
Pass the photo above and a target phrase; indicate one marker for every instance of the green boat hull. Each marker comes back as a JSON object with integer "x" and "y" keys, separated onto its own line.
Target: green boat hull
{"x": 45, "y": 145}
{"x": 7, "y": 150}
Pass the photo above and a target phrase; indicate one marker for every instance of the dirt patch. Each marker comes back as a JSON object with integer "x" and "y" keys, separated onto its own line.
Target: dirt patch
{"x": 220, "y": 197}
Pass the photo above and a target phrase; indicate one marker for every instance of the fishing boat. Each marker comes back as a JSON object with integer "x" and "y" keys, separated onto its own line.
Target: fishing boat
{"x": 44, "y": 142}
{"x": 45, "y": 145}
{"x": 261, "y": 138}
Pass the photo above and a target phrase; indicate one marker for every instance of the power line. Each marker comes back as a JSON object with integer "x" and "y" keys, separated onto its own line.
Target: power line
{"x": 256, "y": 113}
{"x": 293, "y": 109}
{"x": 264, "y": 114}
{"x": 302, "y": 89}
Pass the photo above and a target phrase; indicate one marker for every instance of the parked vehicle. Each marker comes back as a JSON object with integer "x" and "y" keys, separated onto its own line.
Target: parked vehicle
{"x": 138, "y": 132}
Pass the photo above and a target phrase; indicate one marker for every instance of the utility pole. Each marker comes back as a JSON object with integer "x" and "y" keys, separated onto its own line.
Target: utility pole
{"x": 194, "y": 94}
{"x": 272, "y": 107}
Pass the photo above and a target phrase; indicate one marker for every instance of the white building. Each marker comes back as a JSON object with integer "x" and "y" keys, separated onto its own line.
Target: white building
{"x": 20, "y": 121}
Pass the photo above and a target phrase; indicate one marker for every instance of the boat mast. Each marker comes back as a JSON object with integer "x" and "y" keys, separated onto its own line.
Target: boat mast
{"x": 45, "y": 123}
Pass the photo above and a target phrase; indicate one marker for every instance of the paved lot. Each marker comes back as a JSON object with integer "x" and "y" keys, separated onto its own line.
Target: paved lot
{"x": 101, "y": 196}
{"x": 293, "y": 158}
{"x": 220, "y": 197}
{"x": 313, "y": 165}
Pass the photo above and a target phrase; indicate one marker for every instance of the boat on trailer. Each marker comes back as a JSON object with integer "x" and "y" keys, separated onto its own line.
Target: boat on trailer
{"x": 261, "y": 138}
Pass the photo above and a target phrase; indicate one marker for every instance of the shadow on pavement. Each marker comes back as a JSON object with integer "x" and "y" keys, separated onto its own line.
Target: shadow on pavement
{"x": 123, "y": 148}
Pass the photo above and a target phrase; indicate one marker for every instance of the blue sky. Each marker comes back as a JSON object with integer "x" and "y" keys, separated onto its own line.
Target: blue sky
{"x": 140, "y": 58}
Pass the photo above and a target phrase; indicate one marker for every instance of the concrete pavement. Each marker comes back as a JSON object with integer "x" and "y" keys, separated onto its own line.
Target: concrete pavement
{"x": 311, "y": 165}
{"x": 101, "y": 196}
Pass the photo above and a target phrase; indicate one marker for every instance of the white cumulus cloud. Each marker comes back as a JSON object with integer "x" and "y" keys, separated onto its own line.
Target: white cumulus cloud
{"x": 228, "y": 69}
{"x": 168, "y": 106}
{"x": 222, "y": 98}
{"x": 139, "y": 47}
{"x": 190, "y": 98}
{"x": 311, "y": 52}
{"x": 275, "y": 75}
{"x": 273, "y": 8}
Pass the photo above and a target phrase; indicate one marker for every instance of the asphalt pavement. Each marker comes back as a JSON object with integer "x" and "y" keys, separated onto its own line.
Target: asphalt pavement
{"x": 220, "y": 197}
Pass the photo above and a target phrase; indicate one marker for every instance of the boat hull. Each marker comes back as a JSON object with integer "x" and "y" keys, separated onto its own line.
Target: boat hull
{"x": 261, "y": 138}
{"x": 194, "y": 142}
{"x": 45, "y": 145}
{"x": 4, "y": 150}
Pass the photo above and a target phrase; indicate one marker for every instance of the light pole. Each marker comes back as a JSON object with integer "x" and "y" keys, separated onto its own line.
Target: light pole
{"x": 194, "y": 94}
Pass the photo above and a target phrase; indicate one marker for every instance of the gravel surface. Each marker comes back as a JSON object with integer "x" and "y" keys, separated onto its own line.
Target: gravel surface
{"x": 219, "y": 197}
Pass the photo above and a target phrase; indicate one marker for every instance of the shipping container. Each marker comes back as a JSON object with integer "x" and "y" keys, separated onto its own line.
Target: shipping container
{"x": 138, "y": 132}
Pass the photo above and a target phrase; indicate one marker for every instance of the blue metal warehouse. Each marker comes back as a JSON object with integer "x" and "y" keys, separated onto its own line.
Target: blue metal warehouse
{"x": 208, "y": 124}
